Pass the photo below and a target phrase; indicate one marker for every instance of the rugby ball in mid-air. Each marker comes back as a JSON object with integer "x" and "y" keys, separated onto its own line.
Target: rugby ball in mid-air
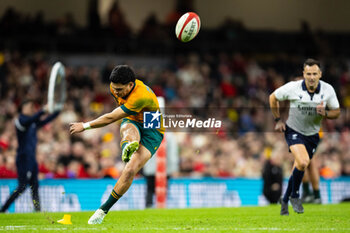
{"x": 187, "y": 27}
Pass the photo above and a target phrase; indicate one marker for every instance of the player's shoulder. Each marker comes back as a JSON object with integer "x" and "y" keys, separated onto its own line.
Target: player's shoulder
{"x": 326, "y": 86}
{"x": 139, "y": 84}
{"x": 144, "y": 87}
{"x": 141, "y": 90}
{"x": 296, "y": 82}
{"x": 293, "y": 84}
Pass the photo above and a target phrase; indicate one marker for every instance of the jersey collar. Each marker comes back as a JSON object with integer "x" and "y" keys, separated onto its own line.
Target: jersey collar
{"x": 303, "y": 84}
{"x": 125, "y": 97}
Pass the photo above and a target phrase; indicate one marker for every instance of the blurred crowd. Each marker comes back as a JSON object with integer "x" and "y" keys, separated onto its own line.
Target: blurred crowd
{"x": 236, "y": 84}
{"x": 230, "y": 79}
{"x": 33, "y": 31}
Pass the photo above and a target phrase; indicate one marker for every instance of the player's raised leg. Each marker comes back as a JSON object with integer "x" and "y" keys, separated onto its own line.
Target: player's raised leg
{"x": 130, "y": 138}
{"x": 137, "y": 161}
{"x": 302, "y": 160}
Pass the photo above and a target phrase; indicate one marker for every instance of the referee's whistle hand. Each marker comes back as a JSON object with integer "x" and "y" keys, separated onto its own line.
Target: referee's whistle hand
{"x": 76, "y": 127}
{"x": 321, "y": 109}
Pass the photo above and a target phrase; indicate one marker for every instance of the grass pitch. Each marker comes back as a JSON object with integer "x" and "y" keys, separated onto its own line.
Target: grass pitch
{"x": 317, "y": 218}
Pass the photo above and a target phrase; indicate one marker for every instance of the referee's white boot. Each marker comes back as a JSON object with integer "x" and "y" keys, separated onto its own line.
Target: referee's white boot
{"x": 97, "y": 217}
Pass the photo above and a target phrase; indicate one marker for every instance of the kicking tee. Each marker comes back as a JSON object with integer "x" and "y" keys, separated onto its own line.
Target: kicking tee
{"x": 303, "y": 117}
{"x": 140, "y": 99}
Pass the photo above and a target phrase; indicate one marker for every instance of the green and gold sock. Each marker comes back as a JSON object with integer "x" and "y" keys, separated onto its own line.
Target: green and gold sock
{"x": 112, "y": 199}
{"x": 123, "y": 144}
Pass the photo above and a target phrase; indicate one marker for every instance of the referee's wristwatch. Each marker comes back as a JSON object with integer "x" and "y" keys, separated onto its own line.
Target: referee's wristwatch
{"x": 277, "y": 119}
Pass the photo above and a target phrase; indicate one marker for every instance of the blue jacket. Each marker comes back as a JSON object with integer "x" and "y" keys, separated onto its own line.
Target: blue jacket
{"x": 26, "y": 127}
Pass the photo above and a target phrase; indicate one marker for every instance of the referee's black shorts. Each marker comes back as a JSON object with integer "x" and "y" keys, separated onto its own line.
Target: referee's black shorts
{"x": 310, "y": 142}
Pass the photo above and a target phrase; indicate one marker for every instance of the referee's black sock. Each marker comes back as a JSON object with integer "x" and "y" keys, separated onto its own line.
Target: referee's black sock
{"x": 288, "y": 190}
{"x": 306, "y": 189}
{"x": 317, "y": 194}
{"x": 297, "y": 178}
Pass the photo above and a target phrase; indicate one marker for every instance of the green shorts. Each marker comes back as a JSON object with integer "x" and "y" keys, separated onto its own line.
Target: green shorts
{"x": 150, "y": 138}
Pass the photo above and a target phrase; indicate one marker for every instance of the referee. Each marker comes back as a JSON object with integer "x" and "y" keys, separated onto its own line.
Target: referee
{"x": 311, "y": 100}
{"x": 27, "y": 125}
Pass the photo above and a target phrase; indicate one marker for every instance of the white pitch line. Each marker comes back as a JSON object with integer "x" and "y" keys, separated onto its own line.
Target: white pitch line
{"x": 36, "y": 228}
{"x": 250, "y": 229}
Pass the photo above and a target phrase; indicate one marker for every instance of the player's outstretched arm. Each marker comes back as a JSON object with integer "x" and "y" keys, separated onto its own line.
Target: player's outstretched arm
{"x": 103, "y": 120}
{"x": 27, "y": 120}
{"x": 49, "y": 118}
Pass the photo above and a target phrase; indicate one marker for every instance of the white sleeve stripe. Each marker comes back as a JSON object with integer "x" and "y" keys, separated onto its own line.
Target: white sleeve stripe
{"x": 19, "y": 126}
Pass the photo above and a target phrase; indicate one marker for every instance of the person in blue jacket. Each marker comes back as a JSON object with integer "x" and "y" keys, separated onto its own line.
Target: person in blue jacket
{"x": 27, "y": 125}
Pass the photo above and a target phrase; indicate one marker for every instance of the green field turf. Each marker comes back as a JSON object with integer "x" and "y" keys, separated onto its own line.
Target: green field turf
{"x": 317, "y": 218}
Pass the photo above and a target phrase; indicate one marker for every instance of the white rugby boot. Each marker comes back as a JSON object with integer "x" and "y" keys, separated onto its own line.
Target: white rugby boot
{"x": 97, "y": 217}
